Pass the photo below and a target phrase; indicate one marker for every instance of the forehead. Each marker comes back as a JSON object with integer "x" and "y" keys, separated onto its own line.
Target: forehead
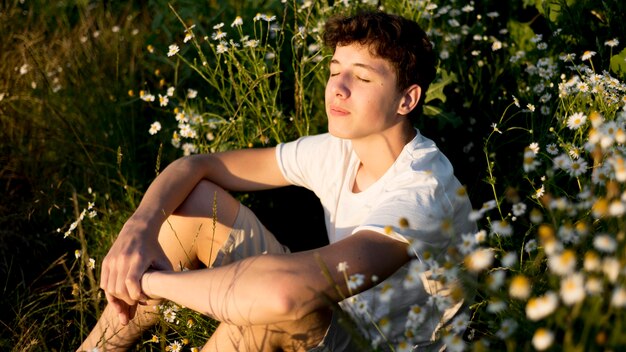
{"x": 360, "y": 56}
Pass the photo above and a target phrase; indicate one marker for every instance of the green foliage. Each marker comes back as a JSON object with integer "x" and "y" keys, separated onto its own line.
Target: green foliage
{"x": 436, "y": 92}
{"x": 64, "y": 72}
{"x": 618, "y": 63}
{"x": 552, "y": 9}
{"x": 521, "y": 35}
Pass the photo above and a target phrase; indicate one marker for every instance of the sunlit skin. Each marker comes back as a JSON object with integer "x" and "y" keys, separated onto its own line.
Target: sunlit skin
{"x": 364, "y": 104}
{"x": 362, "y": 99}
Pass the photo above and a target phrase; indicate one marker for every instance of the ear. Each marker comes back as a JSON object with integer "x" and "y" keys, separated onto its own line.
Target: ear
{"x": 409, "y": 99}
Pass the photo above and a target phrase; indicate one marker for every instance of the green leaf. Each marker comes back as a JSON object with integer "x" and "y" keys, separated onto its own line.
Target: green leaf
{"x": 551, "y": 9}
{"x": 618, "y": 63}
{"x": 435, "y": 90}
{"x": 521, "y": 34}
{"x": 444, "y": 118}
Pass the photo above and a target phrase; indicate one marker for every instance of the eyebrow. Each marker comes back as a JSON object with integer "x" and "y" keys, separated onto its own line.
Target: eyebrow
{"x": 358, "y": 64}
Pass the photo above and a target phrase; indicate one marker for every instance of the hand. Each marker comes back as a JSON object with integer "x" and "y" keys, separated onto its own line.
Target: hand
{"x": 124, "y": 311}
{"x": 134, "y": 251}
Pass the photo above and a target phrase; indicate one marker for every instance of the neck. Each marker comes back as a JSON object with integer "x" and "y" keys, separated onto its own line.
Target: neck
{"x": 378, "y": 152}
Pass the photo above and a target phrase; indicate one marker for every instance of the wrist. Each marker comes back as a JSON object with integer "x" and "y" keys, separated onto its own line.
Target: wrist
{"x": 147, "y": 282}
{"x": 144, "y": 224}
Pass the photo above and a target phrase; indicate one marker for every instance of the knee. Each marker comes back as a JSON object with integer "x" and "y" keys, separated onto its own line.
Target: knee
{"x": 205, "y": 199}
{"x": 206, "y": 189}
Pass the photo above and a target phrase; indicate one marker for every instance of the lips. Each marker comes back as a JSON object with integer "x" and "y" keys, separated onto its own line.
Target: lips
{"x": 336, "y": 110}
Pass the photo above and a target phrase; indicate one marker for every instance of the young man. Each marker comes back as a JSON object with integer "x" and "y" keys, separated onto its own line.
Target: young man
{"x": 372, "y": 169}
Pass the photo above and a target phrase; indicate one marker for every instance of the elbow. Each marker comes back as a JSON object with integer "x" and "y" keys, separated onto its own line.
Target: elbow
{"x": 284, "y": 304}
{"x": 184, "y": 163}
{"x": 191, "y": 161}
{"x": 290, "y": 304}
{"x": 198, "y": 164}
{"x": 286, "y": 310}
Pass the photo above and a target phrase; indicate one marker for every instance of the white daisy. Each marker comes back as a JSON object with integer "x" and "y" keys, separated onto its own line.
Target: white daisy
{"x": 540, "y": 307}
{"x": 605, "y": 243}
{"x": 542, "y": 339}
{"x": 573, "y": 289}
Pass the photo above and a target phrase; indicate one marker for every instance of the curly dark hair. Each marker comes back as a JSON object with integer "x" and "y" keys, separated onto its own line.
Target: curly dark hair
{"x": 396, "y": 39}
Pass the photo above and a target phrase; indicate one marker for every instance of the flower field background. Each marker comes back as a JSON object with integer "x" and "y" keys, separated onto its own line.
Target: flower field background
{"x": 529, "y": 105}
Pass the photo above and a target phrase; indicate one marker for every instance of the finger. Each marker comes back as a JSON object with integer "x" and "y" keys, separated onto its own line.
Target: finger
{"x": 108, "y": 295}
{"x": 133, "y": 282}
{"x": 123, "y": 317}
{"x": 104, "y": 274}
{"x": 118, "y": 286}
{"x": 108, "y": 283}
{"x": 114, "y": 302}
{"x": 121, "y": 292}
{"x": 132, "y": 310}
{"x": 122, "y": 310}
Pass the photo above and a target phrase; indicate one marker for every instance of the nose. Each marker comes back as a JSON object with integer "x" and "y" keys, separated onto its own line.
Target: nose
{"x": 339, "y": 87}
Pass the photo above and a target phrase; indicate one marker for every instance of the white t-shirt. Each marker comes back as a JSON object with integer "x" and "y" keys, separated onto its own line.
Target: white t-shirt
{"x": 420, "y": 187}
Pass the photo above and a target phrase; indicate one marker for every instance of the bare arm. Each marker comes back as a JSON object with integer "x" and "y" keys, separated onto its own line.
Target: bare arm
{"x": 273, "y": 288}
{"x": 241, "y": 170}
{"x": 136, "y": 247}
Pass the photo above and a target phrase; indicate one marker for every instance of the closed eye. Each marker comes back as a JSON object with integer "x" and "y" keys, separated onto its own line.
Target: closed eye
{"x": 362, "y": 79}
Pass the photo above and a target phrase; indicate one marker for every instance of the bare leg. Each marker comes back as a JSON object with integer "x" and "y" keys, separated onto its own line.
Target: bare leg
{"x": 291, "y": 336}
{"x": 187, "y": 238}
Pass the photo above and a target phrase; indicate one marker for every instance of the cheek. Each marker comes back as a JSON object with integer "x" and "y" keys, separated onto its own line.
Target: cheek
{"x": 327, "y": 91}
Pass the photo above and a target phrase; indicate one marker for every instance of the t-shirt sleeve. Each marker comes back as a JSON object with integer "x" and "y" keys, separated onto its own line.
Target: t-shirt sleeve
{"x": 409, "y": 217}
{"x": 428, "y": 216}
{"x": 310, "y": 161}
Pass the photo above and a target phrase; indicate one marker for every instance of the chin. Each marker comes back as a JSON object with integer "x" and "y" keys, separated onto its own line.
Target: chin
{"x": 335, "y": 132}
{"x": 343, "y": 134}
{"x": 337, "y": 135}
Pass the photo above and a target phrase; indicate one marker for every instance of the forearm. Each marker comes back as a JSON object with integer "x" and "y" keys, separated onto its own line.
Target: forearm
{"x": 137, "y": 246}
{"x": 171, "y": 188}
{"x": 241, "y": 170}
{"x": 257, "y": 290}
{"x": 272, "y": 288}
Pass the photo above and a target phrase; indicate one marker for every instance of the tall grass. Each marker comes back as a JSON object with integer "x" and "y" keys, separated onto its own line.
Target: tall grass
{"x": 66, "y": 120}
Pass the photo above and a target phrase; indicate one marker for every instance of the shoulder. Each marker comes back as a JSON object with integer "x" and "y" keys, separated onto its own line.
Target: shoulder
{"x": 424, "y": 181}
{"x": 421, "y": 165}
{"x": 312, "y": 161}
{"x": 421, "y": 152}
